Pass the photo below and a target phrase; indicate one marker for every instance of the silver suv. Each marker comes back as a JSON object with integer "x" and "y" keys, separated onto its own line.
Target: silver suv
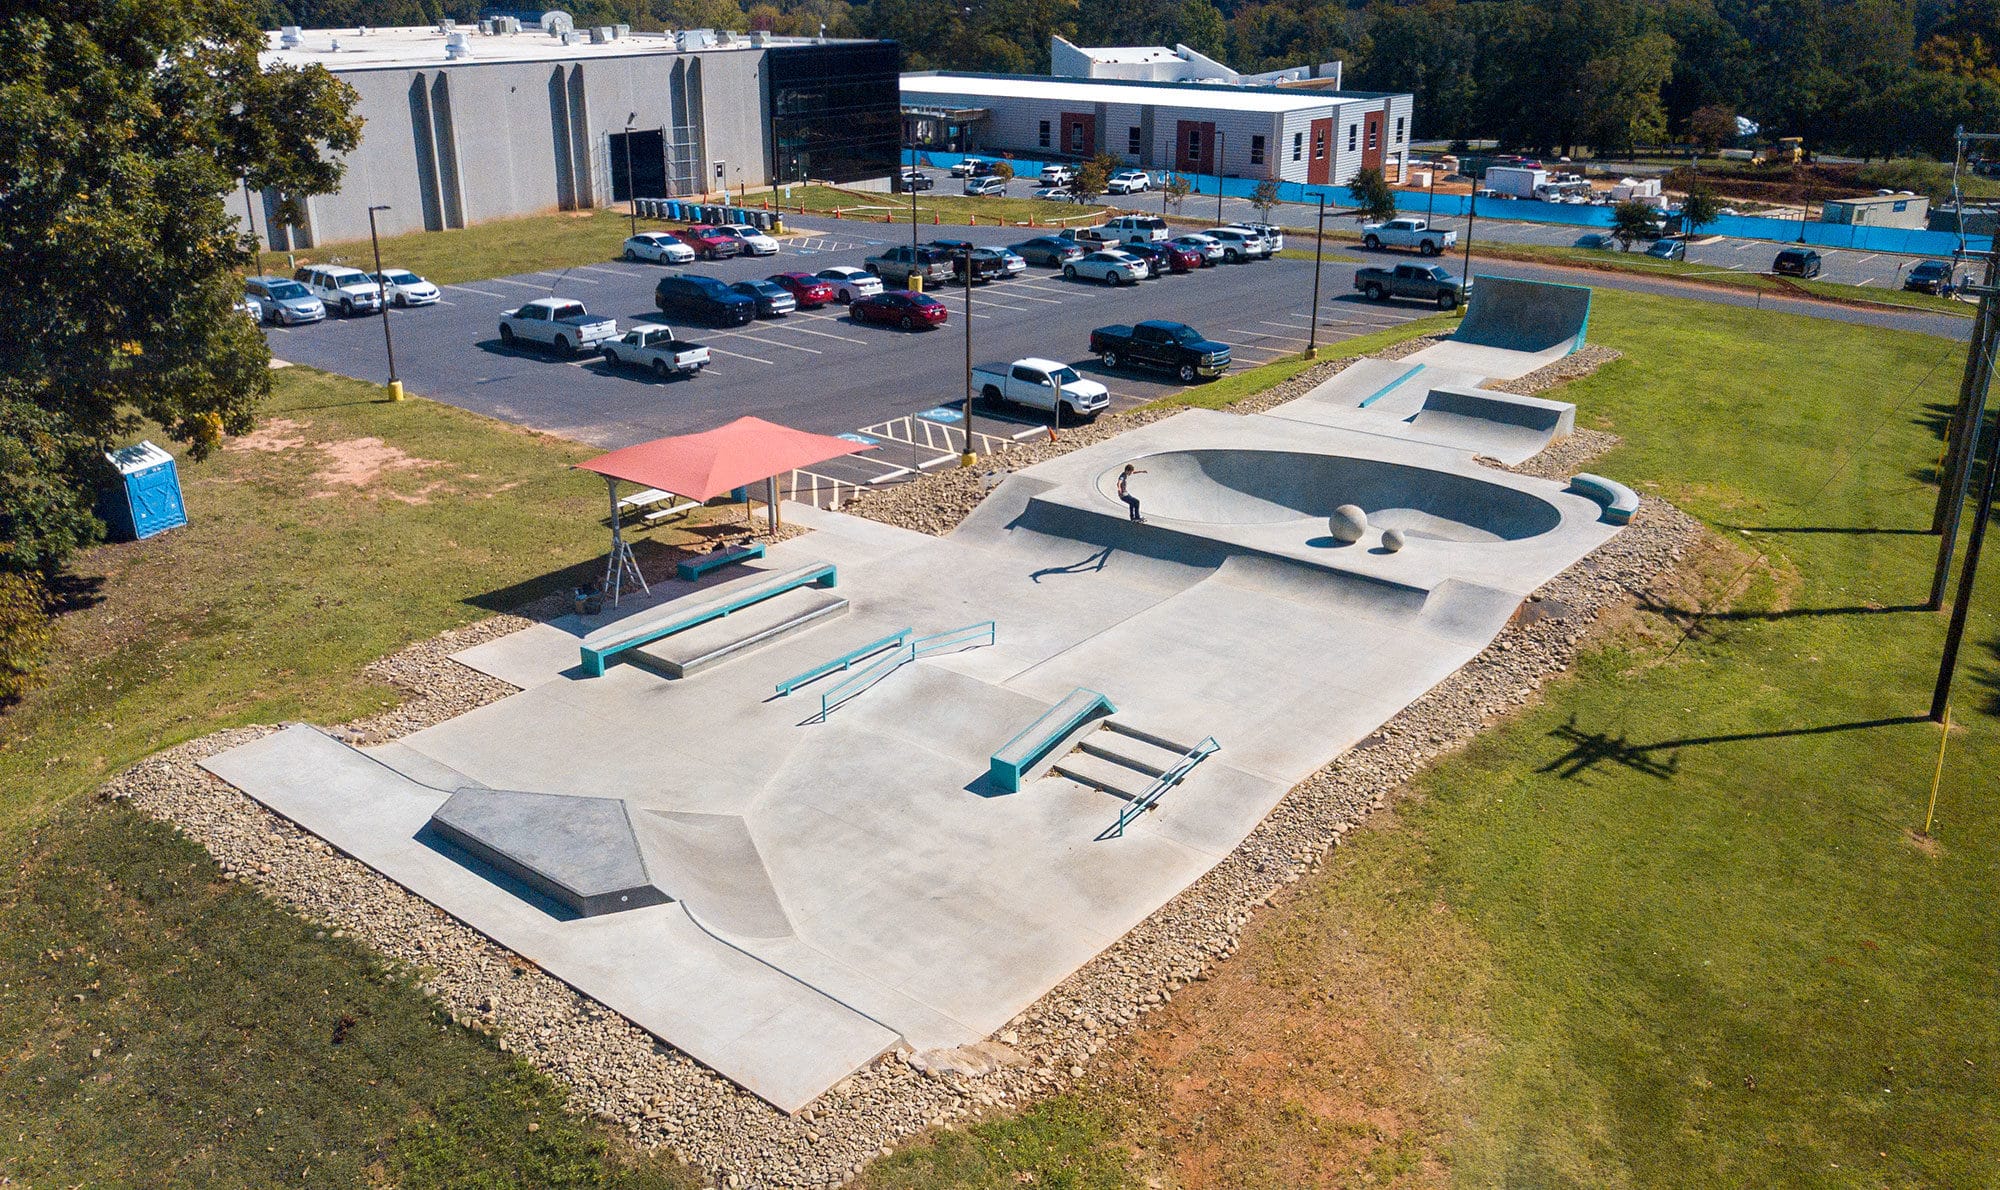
{"x": 287, "y": 303}
{"x": 349, "y": 291}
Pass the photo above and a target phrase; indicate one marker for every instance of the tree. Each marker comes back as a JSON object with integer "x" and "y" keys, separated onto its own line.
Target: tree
{"x": 1713, "y": 127}
{"x": 124, "y": 129}
{"x": 1264, "y": 196}
{"x": 1633, "y": 219}
{"x": 1093, "y": 177}
{"x": 1699, "y": 209}
{"x": 1003, "y": 170}
{"x": 1199, "y": 25}
{"x": 1374, "y": 201}
{"x": 1175, "y": 190}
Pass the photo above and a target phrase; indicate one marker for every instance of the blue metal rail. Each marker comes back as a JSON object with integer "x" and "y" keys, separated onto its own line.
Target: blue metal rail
{"x": 844, "y": 660}
{"x": 1172, "y": 777}
{"x": 970, "y": 636}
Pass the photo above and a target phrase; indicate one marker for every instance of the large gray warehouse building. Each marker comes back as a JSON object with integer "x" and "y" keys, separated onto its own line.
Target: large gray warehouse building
{"x": 468, "y": 124}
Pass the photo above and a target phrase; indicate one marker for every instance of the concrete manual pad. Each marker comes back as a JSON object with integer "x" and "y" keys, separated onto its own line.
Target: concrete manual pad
{"x": 850, "y": 878}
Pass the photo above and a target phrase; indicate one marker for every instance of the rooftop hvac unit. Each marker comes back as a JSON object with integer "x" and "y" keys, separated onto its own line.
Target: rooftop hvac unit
{"x": 486, "y": 28}
{"x": 621, "y": 32}
{"x": 445, "y": 25}
{"x": 760, "y": 37}
{"x": 289, "y": 37}
{"x": 725, "y": 37}
{"x": 600, "y": 34}
{"x": 455, "y": 47}
{"x": 557, "y": 23}
{"x": 567, "y": 36}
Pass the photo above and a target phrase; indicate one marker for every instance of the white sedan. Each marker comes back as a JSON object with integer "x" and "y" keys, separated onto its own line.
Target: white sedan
{"x": 1112, "y": 268}
{"x": 850, "y": 283}
{"x": 404, "y": 288}
{"x": 658, "y": 247}
{"x": 1012, "y": 263}
{"x": 1055, "y": 194}
{"x": 755, "y": 243}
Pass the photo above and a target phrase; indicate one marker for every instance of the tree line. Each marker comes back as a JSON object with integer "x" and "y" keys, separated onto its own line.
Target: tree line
{"x": 1874, "y": 78}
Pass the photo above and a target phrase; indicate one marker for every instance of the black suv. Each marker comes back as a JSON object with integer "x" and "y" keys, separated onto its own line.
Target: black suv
{"x": 986, "y": 263}
{"x": 1932, "y": 276}
{"x": 1797, "y": 262}
{"x": 703, "y": 299}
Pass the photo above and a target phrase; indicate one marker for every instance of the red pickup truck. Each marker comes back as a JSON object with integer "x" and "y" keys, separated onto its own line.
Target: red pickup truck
{"x": 710, "y": 243}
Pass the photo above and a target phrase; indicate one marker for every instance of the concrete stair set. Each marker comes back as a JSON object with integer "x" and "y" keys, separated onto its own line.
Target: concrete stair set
{"x": 1119, "y": 760}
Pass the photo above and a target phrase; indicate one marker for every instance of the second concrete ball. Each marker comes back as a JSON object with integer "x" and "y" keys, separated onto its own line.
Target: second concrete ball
{"x": 1392, "y": 540}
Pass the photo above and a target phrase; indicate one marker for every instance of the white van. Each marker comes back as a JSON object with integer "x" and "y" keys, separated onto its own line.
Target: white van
{"x": 986, "y": 185}
{"x": 1139, "y": 229}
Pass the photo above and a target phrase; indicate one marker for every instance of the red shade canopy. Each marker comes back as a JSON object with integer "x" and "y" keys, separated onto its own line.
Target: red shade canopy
{"x": 704, "y": 466}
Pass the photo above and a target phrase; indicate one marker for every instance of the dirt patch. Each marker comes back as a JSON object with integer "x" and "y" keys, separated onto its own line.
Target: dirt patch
{"x": 1925, "y": 844}
{"x": 363, "y": 462}
{"x": 275, "y": 436}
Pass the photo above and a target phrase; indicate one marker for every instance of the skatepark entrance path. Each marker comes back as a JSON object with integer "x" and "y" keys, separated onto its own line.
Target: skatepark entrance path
{"x": 831, "y": 887}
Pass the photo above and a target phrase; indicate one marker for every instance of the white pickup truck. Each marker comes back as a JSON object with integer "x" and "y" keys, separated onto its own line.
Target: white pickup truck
{"x": 1408, "y": 233}
{"x": 559, "y": 323}
{"x": 1041, "y": 384}
{"x": 649, "y": 345}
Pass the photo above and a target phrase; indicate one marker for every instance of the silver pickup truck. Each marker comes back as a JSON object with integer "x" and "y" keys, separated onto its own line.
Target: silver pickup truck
{"x": 654, "y": 347}
{"x": 559, "y": 323}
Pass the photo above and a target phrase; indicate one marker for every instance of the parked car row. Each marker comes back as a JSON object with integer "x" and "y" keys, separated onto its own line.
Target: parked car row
{"x": 314, "y": 291}
{"x": 708, "y": 241}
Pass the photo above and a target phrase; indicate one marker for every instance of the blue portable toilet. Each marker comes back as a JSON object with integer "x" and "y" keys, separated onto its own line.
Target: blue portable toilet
{"x": 147, "y": 499}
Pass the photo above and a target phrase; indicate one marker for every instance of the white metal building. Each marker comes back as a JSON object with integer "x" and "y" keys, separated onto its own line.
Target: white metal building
{"x": 1281, "y": 134}
{"x": 465, "y": 124}
{"x": 1181, "y": 64}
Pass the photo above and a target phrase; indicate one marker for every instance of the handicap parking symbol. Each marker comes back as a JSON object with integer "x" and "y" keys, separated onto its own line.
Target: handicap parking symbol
{"x": 863, "y": 439}
{"x": 942, "y": 413}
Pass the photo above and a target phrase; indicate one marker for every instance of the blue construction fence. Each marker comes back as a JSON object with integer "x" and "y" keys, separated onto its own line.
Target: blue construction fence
{"x": 1907, "y": 241}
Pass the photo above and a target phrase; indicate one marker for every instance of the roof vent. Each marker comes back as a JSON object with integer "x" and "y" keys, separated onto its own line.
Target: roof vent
{"x": 621, "y": 32}
{"x": 289, "y": 37}
{"x": 556, "y": 23}
{"x": 445, "y": 25}
{"x": 336, "y": 45}
{"x": 486, "y": 28}
{"x": 760, "y": 37}
{"x": 567, "y": 36}
{"x": 600, "y": 34}
{"x": 455, "y": 47}
{"x": 725, "y": 37}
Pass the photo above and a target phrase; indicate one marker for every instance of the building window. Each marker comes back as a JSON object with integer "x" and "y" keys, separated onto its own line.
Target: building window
{"x": 1374, "y": 135}
{"x": 1319, "y": 144}
{"x": 1132, "y": 141}
{"x": 1256, "y": 150}
{"x": 1298, "y": 146}
{"x": 1399, "y": 129}
{"x": 1194, "y": 143}
{"x": 1076, "y": 138}
{"x": 1352, "y": 131}
{"x": 1043, "y": 135}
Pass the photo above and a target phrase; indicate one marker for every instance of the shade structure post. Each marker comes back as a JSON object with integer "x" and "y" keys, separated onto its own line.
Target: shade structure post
{"x": 621, "y": 562}
{"x": 771, "y": 500}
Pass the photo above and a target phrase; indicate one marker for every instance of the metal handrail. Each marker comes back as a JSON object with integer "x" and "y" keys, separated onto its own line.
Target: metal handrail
{"x": 909, "y": 650}
{"x": 1172, "y": 777}
{"x": 844, "y": 661}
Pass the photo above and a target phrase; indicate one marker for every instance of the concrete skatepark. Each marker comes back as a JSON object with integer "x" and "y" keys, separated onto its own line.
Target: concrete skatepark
{"x": 786, "y": 885}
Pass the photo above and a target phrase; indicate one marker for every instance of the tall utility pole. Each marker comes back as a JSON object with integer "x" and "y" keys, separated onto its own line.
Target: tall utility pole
{"x": 382, "y": 296}
{"x": 910, "y": 184}
{"x": 631, "y": 183}
{"x": 970, "y": 456}
{"x": 1312, "y": 333}
{"x": 1471, "y": 213}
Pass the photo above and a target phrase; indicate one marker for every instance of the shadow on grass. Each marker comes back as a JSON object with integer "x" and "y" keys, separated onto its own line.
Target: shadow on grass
{"x": 1987, "y": 677}
{"x": 1589, "y": 749}
{"x": 1857, "y": 530}
{"x": 1673, "y": 611}
{"x": 656, "y": 561}
{"x": 68, "y": 593}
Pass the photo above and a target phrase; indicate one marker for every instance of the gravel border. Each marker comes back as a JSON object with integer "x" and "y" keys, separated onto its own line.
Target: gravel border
{"x": 626, "y": 1077}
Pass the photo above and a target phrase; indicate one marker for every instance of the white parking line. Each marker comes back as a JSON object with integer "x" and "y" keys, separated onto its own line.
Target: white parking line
{"x": 896, "y": 474}
{"x": 480, "y": 292}
{"x": 566, "y": 277}
{"x": 1236, "y": 330}
{"x": 1866, "y": 281}
{"x": 732, "y": 355}
{"x": 939, "y": 461}
{"x": 774, "y": 342}
{"x": 1866, "y": 259}
{"x": 522, "y": 284}
{"x": 614, "y": 272}
{"x": 1029, "y": 297}
{"x": 828, "y": 335}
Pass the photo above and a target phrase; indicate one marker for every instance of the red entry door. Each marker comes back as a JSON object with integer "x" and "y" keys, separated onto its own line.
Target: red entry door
{"x": 1371, "y": 144}
{"x": 1319, "y": 153}
{"x": 1194, "y": 146}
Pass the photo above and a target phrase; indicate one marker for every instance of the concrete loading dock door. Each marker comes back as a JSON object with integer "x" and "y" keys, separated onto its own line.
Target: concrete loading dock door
{"x": 841, "y": 885}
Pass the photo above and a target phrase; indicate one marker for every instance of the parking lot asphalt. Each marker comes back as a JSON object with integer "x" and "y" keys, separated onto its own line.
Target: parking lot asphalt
{"x": 819, "y": 370}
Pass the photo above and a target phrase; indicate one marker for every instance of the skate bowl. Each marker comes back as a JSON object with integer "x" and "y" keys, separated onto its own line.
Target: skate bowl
{"x": 1530, "y": 316}
{"x": 1267, "y": 487}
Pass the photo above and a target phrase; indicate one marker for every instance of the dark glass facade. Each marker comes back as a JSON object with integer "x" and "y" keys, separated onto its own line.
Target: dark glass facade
{"x": 836, "y": 110}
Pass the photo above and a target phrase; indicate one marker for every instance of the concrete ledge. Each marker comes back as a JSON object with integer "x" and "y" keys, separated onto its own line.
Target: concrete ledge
{"x": 1619, "y": 501}
{"x": 695, "y": 649}
{"x": 599, "y": 648}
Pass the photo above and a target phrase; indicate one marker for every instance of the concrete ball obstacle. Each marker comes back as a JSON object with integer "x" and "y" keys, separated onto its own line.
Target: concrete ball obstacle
{"x": 1392, "y": 540}
{"x": 1347, "y": 523}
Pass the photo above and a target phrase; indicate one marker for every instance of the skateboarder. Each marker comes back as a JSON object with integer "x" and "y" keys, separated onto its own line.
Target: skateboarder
{"x": 1131, "y": 501}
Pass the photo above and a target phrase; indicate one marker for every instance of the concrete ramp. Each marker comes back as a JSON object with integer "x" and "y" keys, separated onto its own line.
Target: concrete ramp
{"x": 1527, "y": 316}
{"x": 1503, "y": 426}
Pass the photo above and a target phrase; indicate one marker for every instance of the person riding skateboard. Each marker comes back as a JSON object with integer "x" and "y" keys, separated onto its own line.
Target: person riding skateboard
{"x": 1131, "y": 501}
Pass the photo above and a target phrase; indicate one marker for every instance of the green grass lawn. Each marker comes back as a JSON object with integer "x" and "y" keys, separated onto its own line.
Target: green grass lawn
{"x": 1674, "y": 925}
{"x": 946, "y": 206}
{"x": 497, "y": 249}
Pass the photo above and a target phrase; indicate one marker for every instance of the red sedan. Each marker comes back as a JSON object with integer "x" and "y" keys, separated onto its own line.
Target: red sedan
{"x": 810, "y": 291}
{"x": 906, "y": 310}
{"x": 708, "y": 243}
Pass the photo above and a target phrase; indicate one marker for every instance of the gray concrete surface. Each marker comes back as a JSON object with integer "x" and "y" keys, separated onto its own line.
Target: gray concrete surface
{"x": 853, "y": 881}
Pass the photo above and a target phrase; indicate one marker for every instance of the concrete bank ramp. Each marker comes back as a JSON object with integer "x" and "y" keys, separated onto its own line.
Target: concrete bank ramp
{"x": 1503, "y": 426}
{"x": 1527, "y": 316}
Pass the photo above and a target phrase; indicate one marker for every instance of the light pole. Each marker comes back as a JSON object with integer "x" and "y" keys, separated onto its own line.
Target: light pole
{"x": 1430, "y": 204}
{"x": 631, "y": 183}
{"x": 1471, "y": 213}
{"x": 968, "y": 458}
{"x": 382, "y": 295}
{"x": 1220, "y": 142}
{"x": 1312, "y": 333}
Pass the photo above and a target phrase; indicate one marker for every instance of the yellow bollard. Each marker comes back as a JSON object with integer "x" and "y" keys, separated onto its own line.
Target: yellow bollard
{"x": 916, "y": 283}
{"x": 967, "y": 459}
{"x": 395, "y": 390}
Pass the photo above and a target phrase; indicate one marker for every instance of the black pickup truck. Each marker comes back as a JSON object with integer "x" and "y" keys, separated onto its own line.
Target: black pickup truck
{"x": 1174, "y": 346}
{"x": 1428, "y": 282}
